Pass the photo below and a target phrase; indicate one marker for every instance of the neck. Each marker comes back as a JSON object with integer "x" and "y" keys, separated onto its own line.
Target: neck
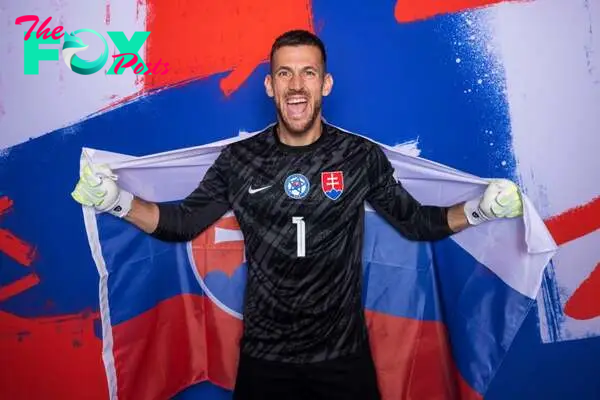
{"x": 303, "y": 139}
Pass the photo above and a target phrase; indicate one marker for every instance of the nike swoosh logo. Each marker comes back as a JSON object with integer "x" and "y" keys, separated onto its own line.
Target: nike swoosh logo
{"x": 252, "y": 191}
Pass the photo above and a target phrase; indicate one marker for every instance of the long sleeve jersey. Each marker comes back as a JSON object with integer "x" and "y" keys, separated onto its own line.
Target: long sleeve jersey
{"x": 301, "y": 212}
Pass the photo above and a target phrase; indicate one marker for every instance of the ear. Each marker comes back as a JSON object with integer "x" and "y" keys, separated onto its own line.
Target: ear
{"x": 268, "y": 85}
{"x": 327, "y": 84}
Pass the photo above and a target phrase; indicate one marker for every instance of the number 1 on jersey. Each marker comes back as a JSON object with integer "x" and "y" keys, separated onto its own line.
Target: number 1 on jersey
{"x": 300, "y": 235}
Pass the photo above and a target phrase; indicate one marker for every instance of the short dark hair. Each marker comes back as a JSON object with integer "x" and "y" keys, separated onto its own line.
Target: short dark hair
{"x": 299, "y": 37}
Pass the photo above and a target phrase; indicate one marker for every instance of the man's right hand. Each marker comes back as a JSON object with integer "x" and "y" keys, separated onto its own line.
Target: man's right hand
{"x": 97, "y": 188}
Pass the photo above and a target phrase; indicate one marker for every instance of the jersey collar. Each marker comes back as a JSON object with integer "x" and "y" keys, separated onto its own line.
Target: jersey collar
{"x": 299, "y": 149}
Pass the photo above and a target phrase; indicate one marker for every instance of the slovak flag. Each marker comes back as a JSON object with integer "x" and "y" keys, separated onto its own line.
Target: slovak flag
{"x": 332, "y": 184}
{"x": 441, "y": 316}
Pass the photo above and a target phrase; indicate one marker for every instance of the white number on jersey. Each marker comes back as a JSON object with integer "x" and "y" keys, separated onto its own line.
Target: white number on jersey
{"x": 300, "y": 236}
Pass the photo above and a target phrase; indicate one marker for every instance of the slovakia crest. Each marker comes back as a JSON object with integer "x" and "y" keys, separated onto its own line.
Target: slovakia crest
{"x": 332, "y": 184}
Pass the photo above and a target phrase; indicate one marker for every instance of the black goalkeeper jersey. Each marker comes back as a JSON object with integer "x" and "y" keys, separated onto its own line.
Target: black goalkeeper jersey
{"x": 301, "y": 211}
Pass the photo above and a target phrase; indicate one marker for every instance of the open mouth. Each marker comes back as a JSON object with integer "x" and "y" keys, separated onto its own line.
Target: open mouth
{"x": 296, "y": 107}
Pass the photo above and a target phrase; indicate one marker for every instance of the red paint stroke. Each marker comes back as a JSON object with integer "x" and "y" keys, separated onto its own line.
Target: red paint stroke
{"x": 415, "y": 10}
{"x": 575, "y": 222}
{"x": 203, "y": 38}
{"x": 584, "y": 304}
{"x": 51, "y": 358}
{"x": 570, "y": 225}
{"x": 5, "y": 204}
{"x": 18, "y": 286}
{"x": 421, "y": 367}
{"x": 210, "y": 256}
{"x": 21, "y": 251}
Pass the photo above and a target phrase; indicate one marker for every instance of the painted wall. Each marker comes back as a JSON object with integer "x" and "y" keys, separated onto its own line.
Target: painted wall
{"x": 510, "y": 90}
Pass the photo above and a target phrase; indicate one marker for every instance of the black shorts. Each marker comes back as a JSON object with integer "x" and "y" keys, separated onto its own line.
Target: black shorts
{"x": 348, "y": 378}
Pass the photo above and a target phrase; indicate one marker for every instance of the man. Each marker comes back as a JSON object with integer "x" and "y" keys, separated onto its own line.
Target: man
{"x": 298, "y": 190}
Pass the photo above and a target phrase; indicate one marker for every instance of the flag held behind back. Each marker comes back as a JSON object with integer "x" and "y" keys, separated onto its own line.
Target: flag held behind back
{"x": 441, "y": 315}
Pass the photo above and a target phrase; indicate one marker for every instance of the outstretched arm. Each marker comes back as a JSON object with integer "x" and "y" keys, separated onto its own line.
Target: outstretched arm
{"x": 143, "y": 214}
{"x": 457, "y": 220}
{"x": 169, "y": 222}
{"x": 429, "y": 223}
{"x": 396, "y": 205}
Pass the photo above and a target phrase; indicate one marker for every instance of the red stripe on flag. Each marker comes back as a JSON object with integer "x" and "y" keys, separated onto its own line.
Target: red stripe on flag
{"x": 223, "y": 332}
{"x": 414, "y": 10}
{"x": 163, "y": 350}
{"x": 201, "y": 38}
{"x": 421, "y": 367}
{"x": 184, "y": 340}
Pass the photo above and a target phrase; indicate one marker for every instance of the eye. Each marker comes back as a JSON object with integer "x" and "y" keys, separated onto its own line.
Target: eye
{"x": 311, "y": 74}
{"x": 283, "y": 73}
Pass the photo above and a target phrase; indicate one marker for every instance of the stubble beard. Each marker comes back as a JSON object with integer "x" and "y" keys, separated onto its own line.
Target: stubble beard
{"x": 306, "y": 127}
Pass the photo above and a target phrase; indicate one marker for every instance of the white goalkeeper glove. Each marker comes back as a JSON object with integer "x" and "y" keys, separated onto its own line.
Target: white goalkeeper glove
{"x": 501, "y": 199}
{"x": 97, "y": 188}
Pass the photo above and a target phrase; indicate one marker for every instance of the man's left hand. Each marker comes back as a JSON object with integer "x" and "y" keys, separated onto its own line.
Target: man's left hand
{"x": 501, "y": 199}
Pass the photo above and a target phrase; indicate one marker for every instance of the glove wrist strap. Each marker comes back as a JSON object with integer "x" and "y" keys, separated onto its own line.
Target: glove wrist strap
{"x": 123, "y": 204}
{"x": 473, "y": 213}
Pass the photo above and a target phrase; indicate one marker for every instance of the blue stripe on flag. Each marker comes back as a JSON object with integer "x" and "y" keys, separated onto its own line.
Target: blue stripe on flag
{"x": 398, "y": 273}
{"x": 482, "y": 313}
{"x": 143, "y": 271}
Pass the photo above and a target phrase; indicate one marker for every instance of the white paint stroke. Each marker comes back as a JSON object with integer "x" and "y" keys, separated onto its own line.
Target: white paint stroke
{"x": 550, "y": 52}
{"x": 410, "y": 147}
{"x": 34, "y": 105}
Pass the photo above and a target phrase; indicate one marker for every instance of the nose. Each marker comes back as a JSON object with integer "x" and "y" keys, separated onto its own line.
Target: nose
{"x": 296, "y": 82}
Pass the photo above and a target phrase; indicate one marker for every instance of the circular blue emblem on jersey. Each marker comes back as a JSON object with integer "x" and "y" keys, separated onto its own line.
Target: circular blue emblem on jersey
{"x": 296, "y": 186}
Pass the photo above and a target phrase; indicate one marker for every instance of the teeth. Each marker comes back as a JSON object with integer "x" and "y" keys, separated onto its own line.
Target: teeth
{"x": 296, "y": 101}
